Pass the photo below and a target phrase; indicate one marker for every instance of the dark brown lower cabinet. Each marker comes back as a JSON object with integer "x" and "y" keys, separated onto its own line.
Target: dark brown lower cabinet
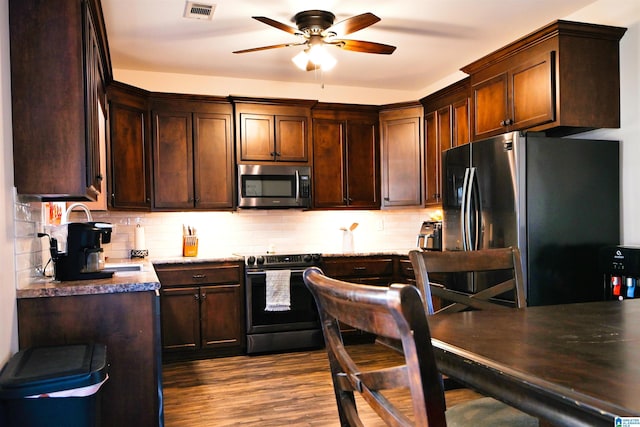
{"x": 202, "y": 308}
{"x": 128, "y": 324}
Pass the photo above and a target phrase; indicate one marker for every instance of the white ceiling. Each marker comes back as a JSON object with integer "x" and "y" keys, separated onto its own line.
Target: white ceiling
{"x": 434, "y": 38}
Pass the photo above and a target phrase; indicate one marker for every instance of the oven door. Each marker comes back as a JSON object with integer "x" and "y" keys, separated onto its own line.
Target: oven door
{"x": 302, "y": 315}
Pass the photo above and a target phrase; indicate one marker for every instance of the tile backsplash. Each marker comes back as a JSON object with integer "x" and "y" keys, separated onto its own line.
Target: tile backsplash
{"x": 225, "y": 233}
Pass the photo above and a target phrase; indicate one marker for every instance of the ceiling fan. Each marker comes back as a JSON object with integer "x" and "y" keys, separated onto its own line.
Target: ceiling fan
{"x": 316, "y": 29}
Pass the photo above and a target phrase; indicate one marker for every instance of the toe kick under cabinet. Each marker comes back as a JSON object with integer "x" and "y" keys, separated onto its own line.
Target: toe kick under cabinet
{"x": 201, "y": 309}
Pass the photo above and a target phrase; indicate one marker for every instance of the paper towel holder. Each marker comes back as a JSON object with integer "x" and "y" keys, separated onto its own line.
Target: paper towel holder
{"x": 139, "y": 243}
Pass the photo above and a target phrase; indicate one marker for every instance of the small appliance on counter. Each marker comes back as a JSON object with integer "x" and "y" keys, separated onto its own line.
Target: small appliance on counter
{"x": 430, "y": 236}
{"x": 620, "y": 266}
{"x": 83, "y": 257}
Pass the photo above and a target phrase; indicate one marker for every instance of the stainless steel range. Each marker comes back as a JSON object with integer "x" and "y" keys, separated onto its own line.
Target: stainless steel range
{"x": 281, "y": 312}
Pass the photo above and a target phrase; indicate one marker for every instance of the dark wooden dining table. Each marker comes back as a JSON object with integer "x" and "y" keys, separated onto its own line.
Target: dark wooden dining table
{"x": 569, "y": 365}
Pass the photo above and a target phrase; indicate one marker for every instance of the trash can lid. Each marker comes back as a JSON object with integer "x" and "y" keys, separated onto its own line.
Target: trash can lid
{"x": 41, "y": 370}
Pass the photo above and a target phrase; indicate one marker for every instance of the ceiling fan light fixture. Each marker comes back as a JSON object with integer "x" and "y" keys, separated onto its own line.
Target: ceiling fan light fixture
{"x": 319, "y": 56}
{"x": 301, "y": 60}
{"x": 314, "y": 57}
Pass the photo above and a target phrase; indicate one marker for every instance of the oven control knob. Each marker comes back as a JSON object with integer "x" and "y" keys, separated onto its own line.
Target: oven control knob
{"x": 316, "y": 257}
{"x": 306, "y": 258}
{"x": 251, "y": 260}
{"x": 260, "y": 260}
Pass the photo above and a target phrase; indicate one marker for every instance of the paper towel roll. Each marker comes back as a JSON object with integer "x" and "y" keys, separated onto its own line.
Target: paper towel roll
{"x": 138, "y": 239}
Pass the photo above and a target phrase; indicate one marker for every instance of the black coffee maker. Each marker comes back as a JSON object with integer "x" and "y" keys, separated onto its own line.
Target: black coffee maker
{"x": 82, "y": 259}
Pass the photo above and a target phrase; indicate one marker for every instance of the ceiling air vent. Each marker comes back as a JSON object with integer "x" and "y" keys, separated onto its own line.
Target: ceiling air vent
{"x": 195, "y": 10}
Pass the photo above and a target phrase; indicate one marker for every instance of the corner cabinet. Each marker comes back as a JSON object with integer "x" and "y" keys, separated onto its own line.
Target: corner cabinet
{"x": 446, "y": 123}
{"x": 563, "y": 79}
{"x": 129, "y": 148}
{"x": 402, "y": 154}
{"x": 346, "y": 157}
{"x": 202, "y": 309}
{"x": 272, "y": 130}
{"x": 192, "y": 153}
{"x": 56, "y": 118}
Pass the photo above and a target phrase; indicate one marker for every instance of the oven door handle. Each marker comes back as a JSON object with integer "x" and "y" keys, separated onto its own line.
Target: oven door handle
{"x": 263, "y": 272}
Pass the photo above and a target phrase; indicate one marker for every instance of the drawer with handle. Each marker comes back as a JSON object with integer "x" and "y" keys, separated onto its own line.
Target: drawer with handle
{"x": 358, "y": 267}
{"x": 196, "y": 274}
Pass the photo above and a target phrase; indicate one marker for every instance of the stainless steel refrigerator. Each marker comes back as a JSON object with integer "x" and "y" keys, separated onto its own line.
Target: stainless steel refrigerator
{"x": 556, "y": 199}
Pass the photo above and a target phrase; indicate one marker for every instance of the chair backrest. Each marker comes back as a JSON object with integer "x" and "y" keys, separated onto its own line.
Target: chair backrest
{"x": 397, "y": 313}
{"x": 486, "y": 260}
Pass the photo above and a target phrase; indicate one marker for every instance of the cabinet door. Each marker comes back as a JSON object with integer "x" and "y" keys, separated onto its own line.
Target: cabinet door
{"x": 328, "y": 160}
{"x": 490, "y": 106}
{"x": 129, "y": 177}
{"x": 291, "y": 139}
{"x": 432, "y": 160}
{"x": 180, "y": 309}
{"x": 173, "y": 160}
{"x": 95, "y": 92}
{"x": 460, "y": 111}
{"x": 533, "y": 100}
{"x": 213, "y": 161}
{"x": 221, "y": 316}
{"x": 363, "y": 170}
{"x": 401, "y": 162}
{"x": 257, "y": 137}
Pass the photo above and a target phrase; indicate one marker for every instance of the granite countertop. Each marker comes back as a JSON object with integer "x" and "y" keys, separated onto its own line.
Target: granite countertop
{"x": 122, "y": 281}
{"x": 145, "y": 280}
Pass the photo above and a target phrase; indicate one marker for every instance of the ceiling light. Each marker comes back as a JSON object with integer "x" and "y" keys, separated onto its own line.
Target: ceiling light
{"x": 314, "y": 57}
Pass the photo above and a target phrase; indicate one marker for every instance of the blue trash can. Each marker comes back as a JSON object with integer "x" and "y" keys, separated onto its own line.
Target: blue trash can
{"x": 53, "y": 386}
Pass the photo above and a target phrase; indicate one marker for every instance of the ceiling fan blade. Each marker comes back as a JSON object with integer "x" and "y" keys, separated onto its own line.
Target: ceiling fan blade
{"x": 362, "y": 46}
{"x": 353, "y": 24}
{"x": 275, "y": 46}
{"x": 278, "y": 25}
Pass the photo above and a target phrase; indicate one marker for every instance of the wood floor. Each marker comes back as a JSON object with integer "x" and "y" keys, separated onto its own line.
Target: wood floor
{"x": 292, "y": 389}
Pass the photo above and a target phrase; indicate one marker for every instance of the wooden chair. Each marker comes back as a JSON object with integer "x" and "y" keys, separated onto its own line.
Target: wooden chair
{"x": 486, "y": 260}
{"x": 397, "y": 313}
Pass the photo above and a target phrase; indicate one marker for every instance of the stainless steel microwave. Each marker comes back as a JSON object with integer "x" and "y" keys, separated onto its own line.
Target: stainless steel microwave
{"x": 274, "y": 186}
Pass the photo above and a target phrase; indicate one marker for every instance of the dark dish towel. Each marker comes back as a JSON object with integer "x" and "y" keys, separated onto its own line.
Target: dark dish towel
{"x": 278, "y": 290}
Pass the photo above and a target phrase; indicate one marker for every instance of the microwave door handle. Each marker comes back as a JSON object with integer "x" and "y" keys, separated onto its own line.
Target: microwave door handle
{"x": 297, "y": 185}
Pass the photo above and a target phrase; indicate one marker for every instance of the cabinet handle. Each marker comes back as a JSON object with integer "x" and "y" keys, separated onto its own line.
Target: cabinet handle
{"x": 196, "y": 296}
{"x": 359, "y": 268}
{"x": 199, "y": 276}
{"x": 278, "y": 154}
{"x": 204, "y": 295}
{"x": 99, "y": 177}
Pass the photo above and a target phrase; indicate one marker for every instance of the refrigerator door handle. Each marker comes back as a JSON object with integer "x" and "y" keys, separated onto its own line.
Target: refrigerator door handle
{"x": 464, "y": 209}
{"x": 468, "y": 239}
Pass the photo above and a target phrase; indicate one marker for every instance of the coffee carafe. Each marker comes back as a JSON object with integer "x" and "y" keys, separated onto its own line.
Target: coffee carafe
{"x": 82, "y": 259}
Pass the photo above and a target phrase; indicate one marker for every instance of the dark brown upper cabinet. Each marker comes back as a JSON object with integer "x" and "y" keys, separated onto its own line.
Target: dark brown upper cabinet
{"x": 270, "y": 130}
{"x": 563, "y": 79}
{"x": 129, "y": 148}
{"x": 192, "y": 153}
{"x": 446, "y": 123}
{"x": 59, "y": 70}
{"x": 346, "y": 157}
{"x": 401, "y": 155}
